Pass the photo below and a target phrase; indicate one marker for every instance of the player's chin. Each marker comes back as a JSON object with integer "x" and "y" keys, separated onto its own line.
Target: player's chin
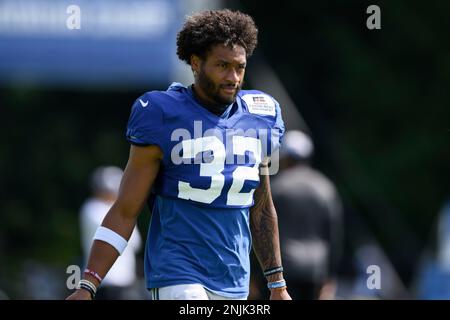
{"x": 228, "y": 97}
{"x": 228, "y": 100}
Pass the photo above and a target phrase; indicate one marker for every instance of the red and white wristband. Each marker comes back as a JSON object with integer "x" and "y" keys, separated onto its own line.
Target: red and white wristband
{"x": 94, "y": 274}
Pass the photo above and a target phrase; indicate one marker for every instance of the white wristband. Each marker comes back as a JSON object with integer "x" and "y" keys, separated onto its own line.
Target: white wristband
{"x": 111, "y": 237}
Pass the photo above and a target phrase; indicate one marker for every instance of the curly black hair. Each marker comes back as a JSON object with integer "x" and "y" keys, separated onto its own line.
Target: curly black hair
{"x": 205, "y": 29}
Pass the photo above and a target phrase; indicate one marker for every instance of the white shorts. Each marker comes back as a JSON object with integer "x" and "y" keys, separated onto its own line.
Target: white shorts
{"x": 186, "y": 292}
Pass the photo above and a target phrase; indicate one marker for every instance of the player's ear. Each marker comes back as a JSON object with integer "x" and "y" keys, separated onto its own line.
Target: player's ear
{"x": 195, "y": 63}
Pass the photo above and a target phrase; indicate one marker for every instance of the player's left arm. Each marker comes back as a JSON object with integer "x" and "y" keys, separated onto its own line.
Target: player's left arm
{"x": 264, "y": 226}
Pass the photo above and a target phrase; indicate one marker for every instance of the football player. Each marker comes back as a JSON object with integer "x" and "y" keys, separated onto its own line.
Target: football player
{"x": 204, "y": 150}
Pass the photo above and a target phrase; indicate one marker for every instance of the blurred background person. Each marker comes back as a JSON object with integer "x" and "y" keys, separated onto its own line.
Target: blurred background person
{"x": 310, "y": 218}
{"x": 121, "y": 280}
{"x": 432, "y": 280}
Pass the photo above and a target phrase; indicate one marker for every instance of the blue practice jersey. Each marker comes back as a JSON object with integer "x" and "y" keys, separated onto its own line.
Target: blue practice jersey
{"x": 199, "y": 232}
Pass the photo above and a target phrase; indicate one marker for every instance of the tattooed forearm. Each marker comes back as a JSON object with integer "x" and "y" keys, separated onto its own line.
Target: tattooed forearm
{"x": 264, "y": 225}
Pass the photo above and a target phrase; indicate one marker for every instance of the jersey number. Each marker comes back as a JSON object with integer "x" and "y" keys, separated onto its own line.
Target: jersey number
{"x": 213, "y": 169}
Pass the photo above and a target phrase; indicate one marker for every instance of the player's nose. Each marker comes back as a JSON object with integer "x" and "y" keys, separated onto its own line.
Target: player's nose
{"x": 232, "y": 76}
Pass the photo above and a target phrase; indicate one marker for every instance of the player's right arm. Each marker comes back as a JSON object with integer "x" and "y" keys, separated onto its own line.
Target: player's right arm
{"x": 140, "y": 173}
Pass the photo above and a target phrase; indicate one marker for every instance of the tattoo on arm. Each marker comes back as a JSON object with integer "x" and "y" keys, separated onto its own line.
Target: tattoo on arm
{"x": 264, "y": 226}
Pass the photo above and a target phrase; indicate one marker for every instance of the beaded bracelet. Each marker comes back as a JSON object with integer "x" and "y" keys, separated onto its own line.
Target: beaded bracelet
{"x": 280, "y": 284}
{"x": 89, "y": 286}
{"x": 271, "y": 271}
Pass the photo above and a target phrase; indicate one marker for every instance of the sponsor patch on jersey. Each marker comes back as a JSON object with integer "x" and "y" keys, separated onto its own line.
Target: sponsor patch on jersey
{"x": 260, "y": 104}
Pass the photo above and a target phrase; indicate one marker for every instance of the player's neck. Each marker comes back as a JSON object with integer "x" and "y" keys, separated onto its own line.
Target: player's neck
{"x": 217, "y": 109}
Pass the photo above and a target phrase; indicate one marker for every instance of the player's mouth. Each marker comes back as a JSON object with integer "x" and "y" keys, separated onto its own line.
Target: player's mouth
{"x": 229, "y": 89}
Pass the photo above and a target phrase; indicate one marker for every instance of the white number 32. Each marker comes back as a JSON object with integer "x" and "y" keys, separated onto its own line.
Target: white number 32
{"x": 214, "y": 169}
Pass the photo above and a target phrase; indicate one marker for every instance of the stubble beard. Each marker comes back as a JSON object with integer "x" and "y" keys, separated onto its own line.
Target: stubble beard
{"x": 213, "y": 91}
